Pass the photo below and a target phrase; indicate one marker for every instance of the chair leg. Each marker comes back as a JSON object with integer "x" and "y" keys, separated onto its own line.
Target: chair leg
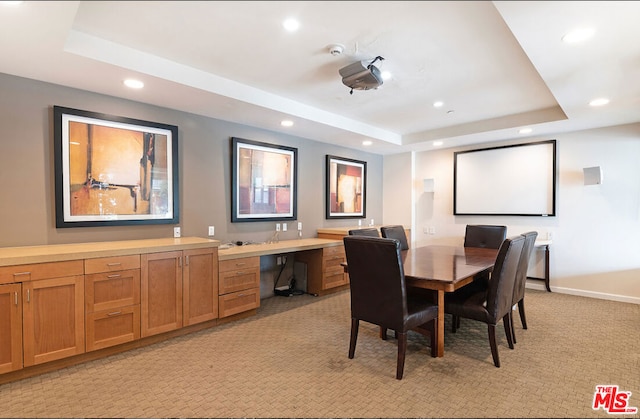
{"x": 355, "y": 323}
{"x": 455, "y": 323}
{"x": 494, "y": 345}
{"x": 383, "y": 333}
{"x": 523, "y": 318}
{"x": 402, "y": 350}
{"x": 513, "y": 329}
{"x": 507, "y": 328}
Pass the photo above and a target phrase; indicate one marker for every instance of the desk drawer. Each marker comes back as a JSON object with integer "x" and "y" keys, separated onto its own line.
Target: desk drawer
{"x": 35, "y": 271}
{"x": 238, "y": 302}
{"x": 334, "y": 278}
{"x": 241, "y": 263}
{"x": 110, "y": 264}
{"x": 109, "y": 291}
{"x": 332, "y": 257}
{"x": 239, "y": 280}
{"x": 112, "y": 327}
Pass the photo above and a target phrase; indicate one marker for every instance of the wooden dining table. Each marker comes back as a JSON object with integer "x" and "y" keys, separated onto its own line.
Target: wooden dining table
{"x": 444, "y": 269}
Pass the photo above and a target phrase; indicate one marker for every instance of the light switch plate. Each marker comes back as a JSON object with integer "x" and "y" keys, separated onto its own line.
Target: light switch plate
{"x": 176, "y": 232}
{"x": 212, "y": 231}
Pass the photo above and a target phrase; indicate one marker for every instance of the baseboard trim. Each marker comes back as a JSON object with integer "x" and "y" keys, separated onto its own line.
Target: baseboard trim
{"x": 584, "y": 293}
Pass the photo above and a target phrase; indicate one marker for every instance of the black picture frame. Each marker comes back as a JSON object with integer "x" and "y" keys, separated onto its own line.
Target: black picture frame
{"x": 264, "y": 181}
{"x": 345, "y": 189}
{"x": 114, "y": 171}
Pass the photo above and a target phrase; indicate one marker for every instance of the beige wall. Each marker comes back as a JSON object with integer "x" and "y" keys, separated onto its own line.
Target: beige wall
{"x": 27, "y": 193}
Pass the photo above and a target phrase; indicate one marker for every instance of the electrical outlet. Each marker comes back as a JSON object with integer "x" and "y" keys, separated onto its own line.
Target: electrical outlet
{"x": 176, "y": 232}
{"x": 371, "y": 223}
{"x": 284, "y": 226}
{"x": 432, "y": 230}
{"x": 277, "y": 226}
{"x": 299, "y": 226}
{"x": 212, "y": 231}
{"x": 359, "y": 223}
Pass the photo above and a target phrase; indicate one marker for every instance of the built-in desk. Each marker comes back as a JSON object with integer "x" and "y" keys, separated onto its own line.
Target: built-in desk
{"x": 322, "y": 257}
{"x": 337, "y": 233}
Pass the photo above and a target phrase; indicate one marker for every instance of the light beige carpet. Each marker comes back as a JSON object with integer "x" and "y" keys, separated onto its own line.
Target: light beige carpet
{"x": 291, "y": 361}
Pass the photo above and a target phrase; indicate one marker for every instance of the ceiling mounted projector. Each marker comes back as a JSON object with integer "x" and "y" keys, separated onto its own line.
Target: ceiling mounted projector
{"x": 362, "y": 75}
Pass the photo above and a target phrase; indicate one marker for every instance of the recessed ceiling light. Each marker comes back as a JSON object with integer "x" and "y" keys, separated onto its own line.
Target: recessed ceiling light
{"x": 578, "y": 35}
{"x": 438, "y": 104}
{"x": 291, "y": 25}
{"x": 525, "y": 130}
{"x": 599, "y": 102}
{"x": 437, "y": 143}
{"x": 134, "y": 84}
{"x": 286, "y": 123}
{"x": 367, "y": 142}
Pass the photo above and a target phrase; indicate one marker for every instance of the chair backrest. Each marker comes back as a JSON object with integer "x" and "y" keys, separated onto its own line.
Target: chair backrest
{"x": 523, "y": 265}
{"x": 396, "y": 232}
{"x": 489, "y": 236}
{"x": 503, "y": 278}
{"x": 370, "y": 232}
{"x": 376, "y": 280}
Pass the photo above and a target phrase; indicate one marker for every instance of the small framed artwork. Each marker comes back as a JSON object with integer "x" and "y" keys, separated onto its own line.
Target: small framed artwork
{"x": 264, "y": 181}
{"x": 346, "y": 188}
{"x": 111, "y": 170}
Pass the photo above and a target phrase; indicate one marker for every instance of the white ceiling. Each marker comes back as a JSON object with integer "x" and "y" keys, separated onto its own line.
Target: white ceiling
{"x": 499, "y": 66}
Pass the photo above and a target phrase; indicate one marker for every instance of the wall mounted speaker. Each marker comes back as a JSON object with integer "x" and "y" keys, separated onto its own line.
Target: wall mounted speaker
{"x": 592, "y": 175}
{"x": 428, "y": 185}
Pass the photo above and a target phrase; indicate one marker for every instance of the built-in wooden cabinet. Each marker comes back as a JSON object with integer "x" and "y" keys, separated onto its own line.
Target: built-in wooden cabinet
{"x": 200, "y": 285}
{"x": 324, "y": 270}
{"x": 53, "y": 319}
{"x": 59, "y": 301}
{"x": 178, "y": 289}
{"x": 239, "y": 285}
{"x": 10, "y": 327}
{"x": 112, "y": 301}
{"x": 161, "y": 296}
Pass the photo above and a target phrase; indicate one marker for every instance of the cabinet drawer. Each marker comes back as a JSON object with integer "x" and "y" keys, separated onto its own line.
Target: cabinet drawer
{"x": 334, "y": 278}
{"x": 241, "y": 263}
{"x": 238, "y": 280}
{"x": 107, "y": 291}
{"x": 112, "y": 327}
{"x": 110, "y": 264}
{"x": 333, "y": 257}
{"x": 35, "y": 271}
{"x": 237, "y": 302}
{"x": 329, "y": 252}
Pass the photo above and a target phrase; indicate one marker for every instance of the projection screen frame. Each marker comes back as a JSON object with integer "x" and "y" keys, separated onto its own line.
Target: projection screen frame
{"x": 549, "y": 178}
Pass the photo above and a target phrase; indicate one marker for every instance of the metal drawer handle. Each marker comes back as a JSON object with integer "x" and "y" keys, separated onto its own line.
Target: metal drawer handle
{"x": 240, "y": 272}
{"x": 16, "y": 295}
{"x": 113, "y": 276}
{"x": 241, "y": 263}
{"x": 115, "y": 313}
{"x": 21, "y": 273}
{"x": 114, "y": 264}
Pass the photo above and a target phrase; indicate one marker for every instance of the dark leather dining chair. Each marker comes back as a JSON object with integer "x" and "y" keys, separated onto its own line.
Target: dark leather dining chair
{"x": 521, "y": 278}
{"x": 494, "y": 303}
{"x": 484, "y": 235}
{"x": 479, "y": 235}
{"x": 379, "y": 294}
{"x": 396, "y": 232}
{"x": 369, "y": 232}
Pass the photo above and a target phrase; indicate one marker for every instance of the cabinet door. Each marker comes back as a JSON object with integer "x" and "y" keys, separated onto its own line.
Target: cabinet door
{"x": 161, "y": 292}
{"x": 200, "y": 285}
{"x": 10, "y": 328}
{"x": 53, "y": 319}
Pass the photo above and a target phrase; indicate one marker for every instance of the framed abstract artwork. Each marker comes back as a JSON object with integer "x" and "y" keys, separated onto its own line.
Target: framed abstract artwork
{"x": 263, "y": 181}
{"x": 112, "y": 170}
{"x": 345, "y": 188}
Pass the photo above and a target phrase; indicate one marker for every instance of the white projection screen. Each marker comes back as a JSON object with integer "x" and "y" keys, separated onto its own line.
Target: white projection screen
{"x": 509, "y": 180}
